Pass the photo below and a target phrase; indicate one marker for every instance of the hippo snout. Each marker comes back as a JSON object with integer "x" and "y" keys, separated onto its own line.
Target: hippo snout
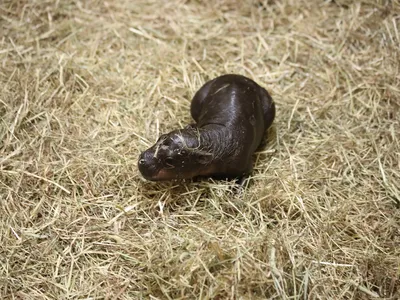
{"x": 148, "y": 164}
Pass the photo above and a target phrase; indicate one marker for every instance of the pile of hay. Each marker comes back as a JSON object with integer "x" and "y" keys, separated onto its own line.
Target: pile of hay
{"x": 86, "y": 85}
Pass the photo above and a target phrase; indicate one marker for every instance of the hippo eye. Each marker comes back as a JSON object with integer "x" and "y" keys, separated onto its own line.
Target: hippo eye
{"x": 169, "y": 161}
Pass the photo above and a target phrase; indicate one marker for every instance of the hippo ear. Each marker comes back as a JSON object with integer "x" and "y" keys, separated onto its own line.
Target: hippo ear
{"x": 191, "y": 142}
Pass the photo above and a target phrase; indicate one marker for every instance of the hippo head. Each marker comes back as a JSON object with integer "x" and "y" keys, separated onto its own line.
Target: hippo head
{"x": 176, "y": 155}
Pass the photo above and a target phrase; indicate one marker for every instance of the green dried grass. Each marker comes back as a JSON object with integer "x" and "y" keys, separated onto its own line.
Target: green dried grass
{"x": 87, "y": 85}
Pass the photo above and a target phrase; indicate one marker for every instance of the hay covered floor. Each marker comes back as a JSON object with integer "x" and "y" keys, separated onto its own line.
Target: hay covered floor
{"x": 86, "y": 85}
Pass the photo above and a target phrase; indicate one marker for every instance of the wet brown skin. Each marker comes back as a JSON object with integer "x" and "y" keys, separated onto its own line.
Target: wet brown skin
{"x": 232, "y": 114}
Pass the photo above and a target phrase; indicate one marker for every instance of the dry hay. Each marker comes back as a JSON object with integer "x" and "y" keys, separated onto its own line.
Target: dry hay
{"x": 86, "y": 85}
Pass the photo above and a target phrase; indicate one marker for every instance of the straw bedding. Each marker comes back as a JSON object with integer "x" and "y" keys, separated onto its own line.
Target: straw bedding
{"x": 86, "y": 85}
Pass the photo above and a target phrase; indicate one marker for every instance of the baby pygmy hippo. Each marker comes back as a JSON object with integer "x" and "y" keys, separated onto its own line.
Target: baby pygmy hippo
{"x": 232, "y": 114}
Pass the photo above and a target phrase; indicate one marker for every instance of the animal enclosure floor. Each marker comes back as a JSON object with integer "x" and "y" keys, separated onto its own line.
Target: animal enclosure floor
{"x": 85, "y": 86}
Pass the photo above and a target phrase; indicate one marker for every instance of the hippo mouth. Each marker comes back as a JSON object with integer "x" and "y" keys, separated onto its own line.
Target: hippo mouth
{"x": 154, "y": 172}
{"x": 164, "y": 174}
{"x": 159, "y": 174}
